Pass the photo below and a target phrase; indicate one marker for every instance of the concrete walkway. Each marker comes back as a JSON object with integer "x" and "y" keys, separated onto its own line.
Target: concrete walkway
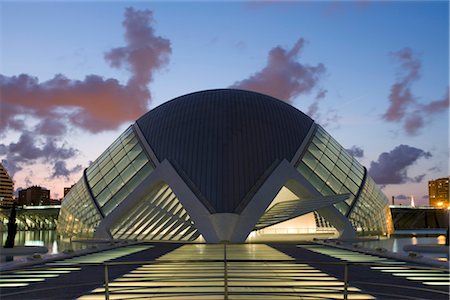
{"x": 218, "y": 271}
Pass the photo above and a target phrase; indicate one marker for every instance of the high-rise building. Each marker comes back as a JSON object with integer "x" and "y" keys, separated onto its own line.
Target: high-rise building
{"x": 34, "y": 195}
{"x": 6, "y": 188}
{"x": 67, "y": 190}
{"x": 438, "y": 192}
{"x": 223, "y": 165}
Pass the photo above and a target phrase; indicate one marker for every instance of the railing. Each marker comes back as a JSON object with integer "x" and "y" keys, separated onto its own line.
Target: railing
{"x": 346, "y": 268}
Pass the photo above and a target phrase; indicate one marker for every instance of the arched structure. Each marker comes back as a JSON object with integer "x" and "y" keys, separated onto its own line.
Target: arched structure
{"x": 213, "y": 163}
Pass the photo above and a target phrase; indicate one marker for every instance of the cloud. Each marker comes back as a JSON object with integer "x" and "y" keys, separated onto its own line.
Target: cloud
{"x": 402, "y": 197}
{"x": 313, "y": 109}
{"x": 144, "y": 53}
{"x": 29, "y": 149}
{"x": 403, "y": 105}
{"x": 437, "y": 105}
{"x": 391, "y": 167}
{"x": 94, "y": 104}
{"x": 356, "y": 151}
{"x": 401, "y": 96}
{"x": 284, "y": 77}
{"x": 60, "y": 170}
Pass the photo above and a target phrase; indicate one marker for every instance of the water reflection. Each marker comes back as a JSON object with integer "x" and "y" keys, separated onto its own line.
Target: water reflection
{"x": 396, "y": 244}
{"x": 46, "y": 238}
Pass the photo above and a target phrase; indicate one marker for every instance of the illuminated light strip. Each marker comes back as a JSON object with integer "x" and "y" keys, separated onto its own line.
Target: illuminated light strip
{"x": 390, "y": 268}
{"x": 245, "y": 279}
{"x": 47, "y": 271}
{"x": 25, "y": 277}
{"x": 412, "y": 271}
{"x": 21, "y": 280}
{"x": 423, "y": 274}
{"x": 28, "y": 276}
{"x": 13, "y": 284}
{"x": 436, "y": 283}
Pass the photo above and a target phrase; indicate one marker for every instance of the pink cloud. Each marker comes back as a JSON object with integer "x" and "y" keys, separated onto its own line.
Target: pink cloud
{"x": 94, "y": 104}
{"x": 401, "y": 97}
{"x": 284, "y": 77}
{"x": 403, "y": 106}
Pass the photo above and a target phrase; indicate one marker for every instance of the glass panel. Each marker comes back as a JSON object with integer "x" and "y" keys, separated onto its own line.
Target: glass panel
{"x": 322, "y": 172}
{"x": 128, "y": 172}
{"x": 304, "y": 170}
{"x": 122, "y": 164}
{"x": 344, "y": 168}
{"x": 326, "y": 191}
{"x": 128, "y": 146}
{"x": 116, "y": 184}
{"x": 104, "y": 196}
{"x": 331, "y": 155}
{"x": 351, "y": 186}
{"x": 316, "y": 182}
{"x": 141, "y": 175}
{"x": 310, "y": 161}
{"x": 134, "y": 152}
{"x": 356, "y": 179}
{"x": 98, "y": 187}
{"x": 107, "y": 167}
{"x": 327, "y": 162}
{"x": 111, "y": 175}
{"x": 319, "y": 143}
{"x": 121, "y": 153}
{"x": 140, "y": 160}
{"x": 334, "y": 184}
{"x": 338, "y": 174}
{"x": 315, "y": 151}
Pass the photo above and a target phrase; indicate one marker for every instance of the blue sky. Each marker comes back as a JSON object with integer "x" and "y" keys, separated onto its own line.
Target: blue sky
{"x": 218, "y": 44}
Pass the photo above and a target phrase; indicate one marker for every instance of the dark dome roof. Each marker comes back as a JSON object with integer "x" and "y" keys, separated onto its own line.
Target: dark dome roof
{"x": 223, "y": 142}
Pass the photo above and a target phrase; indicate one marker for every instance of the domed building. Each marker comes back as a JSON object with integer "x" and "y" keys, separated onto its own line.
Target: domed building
{"x": 223, "y": 165}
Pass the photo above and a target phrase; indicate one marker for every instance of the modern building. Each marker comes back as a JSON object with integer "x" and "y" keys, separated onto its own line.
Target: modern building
{"x": 438, "y": 192}
{"x": 34, "y": 195}
{"x": 6, "y": 188}
{"x": 67, "y": 190}
{"x": 223, "y": 165}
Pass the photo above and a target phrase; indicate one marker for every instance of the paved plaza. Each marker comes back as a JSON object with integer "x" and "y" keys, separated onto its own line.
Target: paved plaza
{"x": 225, "y": 271}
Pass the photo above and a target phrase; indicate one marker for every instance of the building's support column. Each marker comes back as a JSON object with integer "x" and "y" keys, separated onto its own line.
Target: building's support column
{"x": 339, "y": 221}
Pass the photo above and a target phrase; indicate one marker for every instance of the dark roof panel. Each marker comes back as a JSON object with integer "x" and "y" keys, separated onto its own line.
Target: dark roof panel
{"x": 223, "y": 141}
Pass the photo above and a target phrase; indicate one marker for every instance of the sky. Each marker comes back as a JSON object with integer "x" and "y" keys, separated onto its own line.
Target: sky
{"x": 74, "y": 75}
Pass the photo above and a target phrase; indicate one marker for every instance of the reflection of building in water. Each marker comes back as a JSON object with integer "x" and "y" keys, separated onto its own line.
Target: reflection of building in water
{"x": 438, "y": 192}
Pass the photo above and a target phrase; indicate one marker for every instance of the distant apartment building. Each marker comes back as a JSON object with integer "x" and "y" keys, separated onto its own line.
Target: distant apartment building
{"x": 438, "y": 192}
{"x": 67, "y": 190}
{"x": 6, "y": 188}
{"x": 34, "y": 195}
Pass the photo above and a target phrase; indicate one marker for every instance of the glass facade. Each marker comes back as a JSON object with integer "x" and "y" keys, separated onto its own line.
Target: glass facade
{"x": 118, "y": 171}
{"x": 330, "y": 169}
{"x": 78, "y": 215}
{"x": 371, "y": 214}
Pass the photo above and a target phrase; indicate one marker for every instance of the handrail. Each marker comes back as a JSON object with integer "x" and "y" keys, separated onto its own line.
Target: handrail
{"x": 346, "y": 282}
{"x": 152, "y": 262}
